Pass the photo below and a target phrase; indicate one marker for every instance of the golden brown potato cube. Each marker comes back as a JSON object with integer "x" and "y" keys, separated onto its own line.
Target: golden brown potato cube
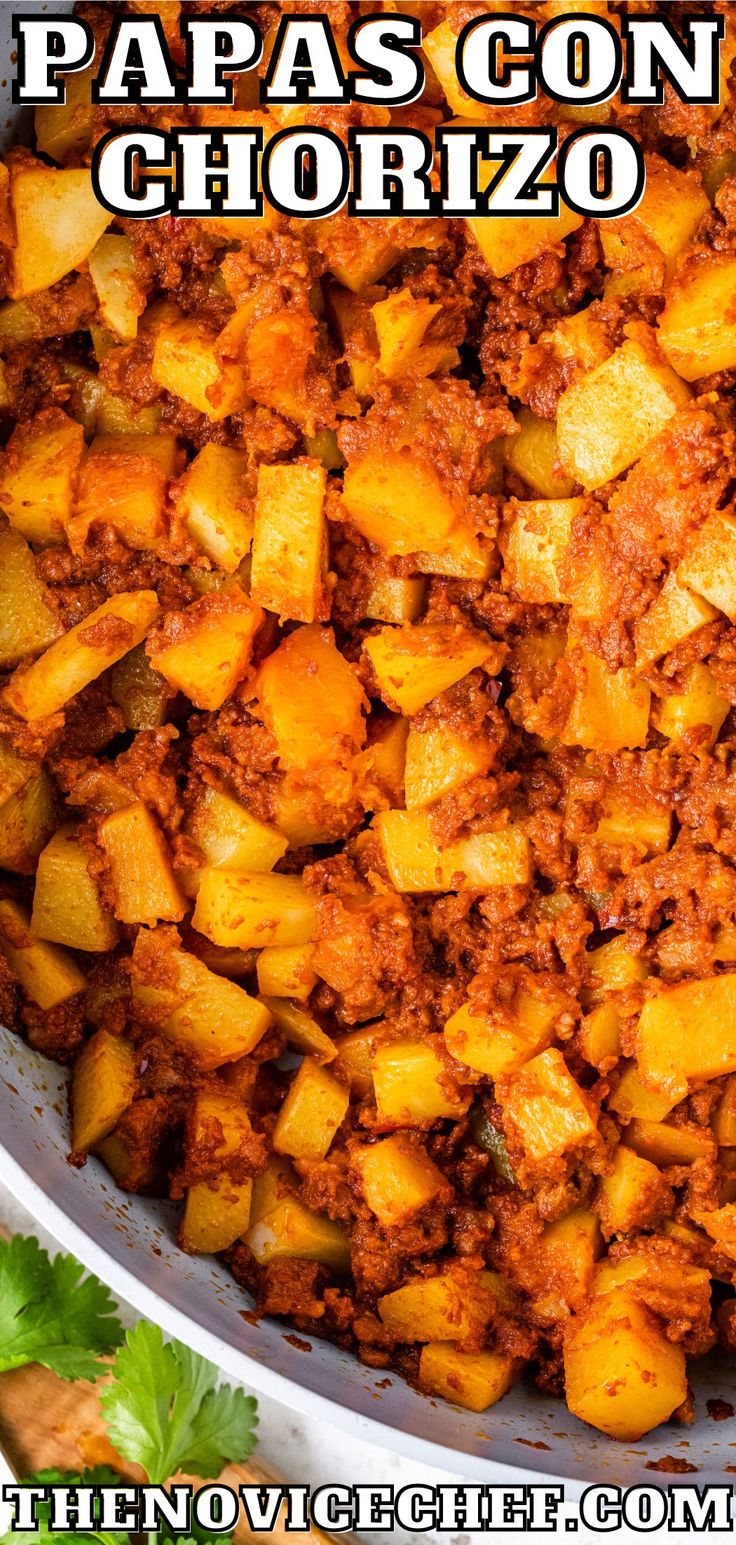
{"x": 631, "y": 1098}
{"x": 46, "y": 973}
{"x": 398, "y": 502}
{"x": 610, "y": 709}
{"x": 413, "y": 664}
{"x": 211, "y": 647}
{"x": 600, "y": 1035}
{"x": 568, "y": 1250}
{"x": 312, "y": 702}
{"x": 676, "y": 613}
{"x": 139, "y": 691}
{"x": 58, "y": 221}
{"x": 697, "y": 329}
{"x": 534, "y": 455}
{"x": 121, "y": 296}
{"x": 546, "y": 1108}
{"x": 249, "y": 911}
{"x": 66, "y": 902}
{"x": 104, "y": 1084}
{"x": 67, "y": 127}
{"x": 709, "y": 565}
{"x": 186, "y": 363}
{"x": 416, "y": 863}
{"x": 311, "y": 1113}
{"x": 538, "y": 536}
{"x": 652, "y": 237}
{"x": 439, "y": 761}
{"x": 611, "y": 967}
{"x": 398, "y": 1178}
{"x": 502, "y": 1041}
{"x": 28, "y": 624}
{"x": 380, "y": 767}
{"x": 39, "y": 475}
{"x": 301, "y": 1030}
{"x": 27, "y": 820}
{"x": 210, "y": 1016}
{"x": 693, "y": 717}
{"x": 632, "y": 1195}
{"x": 15, "y": 771}
{"x": 229, "y": 836}
{"x": 290, "y": 541}
{"x": 688, "y": 1034}
{"x": 286, "y": 971}
{"x": 290, "y": 1231}
{"x": 123, "y": 484}
{"x": 622, "y": 1375}
{"x": 213, "y": 500}
{"x": 606, "y": 419}
{"x": 394, "y": 598}
{"x": 664, "y": 1144}
{"x": 413, "y": 1085}
{"x": 451, "y": 1306}
{"x": 475, "y": 1380}
{"x": 401, "y": 322}
{"x": 140, "y": 867}
{"x": 81, "y": 655}
{"x": 216, "y": 1213}
{"x": 507, "y": 241}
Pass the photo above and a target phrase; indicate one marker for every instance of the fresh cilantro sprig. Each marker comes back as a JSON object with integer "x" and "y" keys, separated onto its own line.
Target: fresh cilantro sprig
{"x": 49, "y": 1315}
{"x": 164, "y": 1411}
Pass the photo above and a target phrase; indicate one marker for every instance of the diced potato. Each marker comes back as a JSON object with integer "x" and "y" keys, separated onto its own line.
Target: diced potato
{"x": 301, "y": 1030}
{"x": 212, "y": 647}
{"x": 697, "y": 329}
{"x": 312, "y": 703}
{"x": 546, "y": 1107}
{"x": 724, "y": 1118}
{"x": 688, "y": 1034}
{"x": 216, "y": 1213}
{"x": 38, "y": 480}
{"x": 398, "y": 502}
{"x": 104, "y": 1083}
{"x": 413, "y": 664}
{"x": 401, "y": 322}
{"x": 123, "y": 482}
{"x": 311, "y": 1113}
{"x": 67, "y": 127}
{"x": 121, "y": 296}
{"x": 622, "y": 1375}
{"x": 250, "y": 911}
{"x": 665, "y": 1144}
{"x": 398, "y": 1178}
{"x": 534, "y": 455}
{"x": 229, "y": 836}
{"x": 569, "y": 1249}
{"x": 600, "y": 1035}
{"x": 610, "y": 709}
{"x": 438, "y": 761}
{"x": 292, "y": 1231}
{"x": 502, "y": 1041}
{"x": 605, "y": 420}
{"x": 217, "y": 1210}
{"x": 57, "y": 221}
{"x": 354, "y": 1061}
{"x": 462, "y": 555}
{"x": 212, "y": 499}
{"x": 209, "y": 1015}
{"x": 633, "y": 1098}
{"x": 394, "y": 598}
{"x": 15, "y": 771}
{"x": 416, "y": 862}
{"x": 638, "y": 822}
{"x": 186, "y": 363}
{"x": 709, "y": 565}
{"x": 699, "y": 708}
{"x": 66, "y": 902}
{"x": 27, "y": 622}
{"x": 475, "y": 1380}
{"x": 675, "y": 614}
{"x": 581, "y": 340}
{"x": 81, "y": 655}
{"x": 507, "y": 241}
{"x": 287, "y": 971}
{"x": 448, "y": 1307}
{"x": 632, "y": 1195}
{"x": 536, "y": 544}
{"x": 380, "y": 768}
{"x": 413, "y": 1085}
{"x": 27, "y": 820}
{"x": 139, "y": 691}
{"x": 657, "y": 231}
{"x": 720, "y": 1224}
{"x": 140, "y": 867}
{"x": 612, "y": 967}
{"x": 290, "y": 540}
{"x": 46, "y": 973}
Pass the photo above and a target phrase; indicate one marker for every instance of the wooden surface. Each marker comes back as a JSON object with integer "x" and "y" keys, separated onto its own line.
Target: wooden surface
{"x": 46, "y": 1423}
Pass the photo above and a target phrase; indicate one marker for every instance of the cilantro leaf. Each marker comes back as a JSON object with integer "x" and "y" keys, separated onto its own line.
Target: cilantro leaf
{"x": 99, "y": 1476}
{"x": 164, "y": 1412}
{"x": 48, "y": 1315}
